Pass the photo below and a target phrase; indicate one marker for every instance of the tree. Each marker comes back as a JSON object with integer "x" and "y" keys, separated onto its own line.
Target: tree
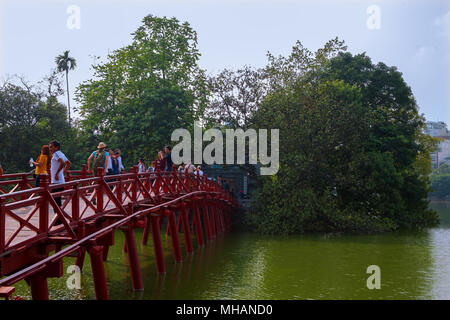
{"x": 20, "y": 111}
{"x": 29, "y": 118}
{"x": 234, "y": 97}
{"x": 142, "y": 86}
{"x": 441, "y": 185}
{"x": 350, "y": 141}
{"x": 64, "y": 64}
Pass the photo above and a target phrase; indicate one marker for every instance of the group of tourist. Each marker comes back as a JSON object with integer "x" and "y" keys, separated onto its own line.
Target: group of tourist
{"x": 52, "y": 160}
{"x": 109, "y": 160}
{"x": 164, "y": 163}
{"x": 190, "y": 169}
{"x": 57, "y": 165}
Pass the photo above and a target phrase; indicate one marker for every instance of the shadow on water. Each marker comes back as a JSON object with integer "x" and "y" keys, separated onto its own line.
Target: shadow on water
{"x": 414, "y": 265}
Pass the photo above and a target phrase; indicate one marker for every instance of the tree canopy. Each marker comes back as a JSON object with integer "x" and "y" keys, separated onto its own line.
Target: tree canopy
{"x": 145, "y": 90}
{"x": 351, "y": 140}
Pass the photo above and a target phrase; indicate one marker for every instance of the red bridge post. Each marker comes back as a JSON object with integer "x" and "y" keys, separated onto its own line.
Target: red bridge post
{"x": 39, "y": 287}
{"x": 156, "y": 234}
{"x": 206, "y": 220}
{"x": 174, "y": 235}
{"x": 43, "y": 205}
{"x": 23, "y": 185}
{"x": 134, "y": 185}
{"x": 100, "y": 190}
{"x": 198, "y": 224}
{"x": 2, "y": 225}
{"x": 184, "y": 213}
{"x": 145, "y": 233}
{"x": 130, "y": 241}
{"x": 75, "y": 204}
{"x": 98, "y": 272}
{"x": 81, "y": 232}
{"x": 212, "y": 219}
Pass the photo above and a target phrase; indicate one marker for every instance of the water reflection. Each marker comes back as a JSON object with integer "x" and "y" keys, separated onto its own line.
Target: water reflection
{"x": 414, "y": 265}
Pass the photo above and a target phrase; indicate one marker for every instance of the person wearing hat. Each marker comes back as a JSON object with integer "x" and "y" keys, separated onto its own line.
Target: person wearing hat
{"x": 99, "y": 158}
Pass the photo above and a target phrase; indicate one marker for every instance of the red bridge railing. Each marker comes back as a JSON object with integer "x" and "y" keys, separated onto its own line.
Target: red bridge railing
{"x": 32, "y": 224}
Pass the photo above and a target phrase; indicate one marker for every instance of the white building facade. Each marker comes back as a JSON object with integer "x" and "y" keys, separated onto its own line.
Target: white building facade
{"x": 442, "y": 154}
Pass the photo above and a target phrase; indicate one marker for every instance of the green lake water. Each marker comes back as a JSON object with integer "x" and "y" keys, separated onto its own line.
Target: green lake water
{"x": 414, "y": 265}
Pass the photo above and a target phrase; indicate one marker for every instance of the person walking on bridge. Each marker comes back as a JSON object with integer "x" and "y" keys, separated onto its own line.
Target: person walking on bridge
{"x": 189, "y": 168}
{"x": 59, "y": 166}
{"x": 41, "y": 164}
{"x": 168, "y": 158}
{"x": 141, "y": 166}
{"x": 100, "y": 159}
{"x": 119, "y": 159}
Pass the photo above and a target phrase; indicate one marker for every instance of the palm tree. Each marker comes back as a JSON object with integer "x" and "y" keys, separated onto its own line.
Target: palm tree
{"x": 66, "y": 63}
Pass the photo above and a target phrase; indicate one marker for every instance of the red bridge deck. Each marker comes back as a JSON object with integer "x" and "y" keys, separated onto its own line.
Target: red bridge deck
{"x": 32, "y": 225}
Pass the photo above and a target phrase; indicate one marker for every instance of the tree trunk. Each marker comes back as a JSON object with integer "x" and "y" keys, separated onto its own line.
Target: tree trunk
{"x": 68, "y": 99}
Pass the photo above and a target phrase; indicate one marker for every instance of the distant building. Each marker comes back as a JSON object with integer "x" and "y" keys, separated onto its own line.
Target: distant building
{"x": 442, "y": 154}
{"x": 240, "y": 182}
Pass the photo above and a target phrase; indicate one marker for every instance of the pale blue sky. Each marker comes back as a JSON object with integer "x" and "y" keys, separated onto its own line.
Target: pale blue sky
{"x": 414, "y": 35}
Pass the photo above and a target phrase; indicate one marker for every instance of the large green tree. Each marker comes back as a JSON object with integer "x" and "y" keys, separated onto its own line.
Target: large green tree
{"x": 28, "y": 120}
{"x": 145, "y": 90}
{"x": 351, "y": 142}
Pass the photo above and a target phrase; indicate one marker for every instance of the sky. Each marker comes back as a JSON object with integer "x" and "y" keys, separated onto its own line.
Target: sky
{"x": 413, "y": 35}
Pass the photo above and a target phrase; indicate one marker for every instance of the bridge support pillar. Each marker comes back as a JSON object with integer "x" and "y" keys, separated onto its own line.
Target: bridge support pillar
{"x": 184, "y": 216}
{"x": 174, "y": 236}
{"x": 146, "y": 231}
{"x": 222, "y": 220}
{"x": 105, "y": 253}
{"x": 198, "y": 226}
{"x": 156, "y": 234}
{"x": 207, "y": 223}
{"x": 135, "y": 270}
{"x": 98, "y": 272}
{"x": 39, "y": 287}
{"x": 212, "y": 212}
{"x": 218, "y": 219}
{"x": 81, "y": 253}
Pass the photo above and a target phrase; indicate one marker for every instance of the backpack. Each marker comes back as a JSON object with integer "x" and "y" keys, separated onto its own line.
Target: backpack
{"x": 99, "y": 161}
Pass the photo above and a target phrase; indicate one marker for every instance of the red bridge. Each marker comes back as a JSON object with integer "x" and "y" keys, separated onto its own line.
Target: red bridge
{"x": 36, "y": 234}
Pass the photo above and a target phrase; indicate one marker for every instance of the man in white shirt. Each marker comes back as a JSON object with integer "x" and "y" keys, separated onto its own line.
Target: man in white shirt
{"x": 59, "y": 165}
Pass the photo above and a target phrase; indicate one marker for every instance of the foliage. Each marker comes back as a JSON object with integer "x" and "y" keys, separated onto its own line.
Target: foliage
{"x": 440, "y": 181}
{"x": 235, "y": 96}
{"x": 440, "y": 184}
{"x": 30, "y": 120}
{"x": 146, "y": 89}
{"x": 351, "y": 144}
{"x": 443, "y": 169}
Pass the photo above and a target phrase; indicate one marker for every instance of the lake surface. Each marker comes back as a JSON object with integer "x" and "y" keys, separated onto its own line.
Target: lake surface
{"x": 414, "y": 265}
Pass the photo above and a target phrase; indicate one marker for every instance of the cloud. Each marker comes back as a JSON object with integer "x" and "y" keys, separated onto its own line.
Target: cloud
{"x": 426, "y": 53}
{"x": 443, "y": 23}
